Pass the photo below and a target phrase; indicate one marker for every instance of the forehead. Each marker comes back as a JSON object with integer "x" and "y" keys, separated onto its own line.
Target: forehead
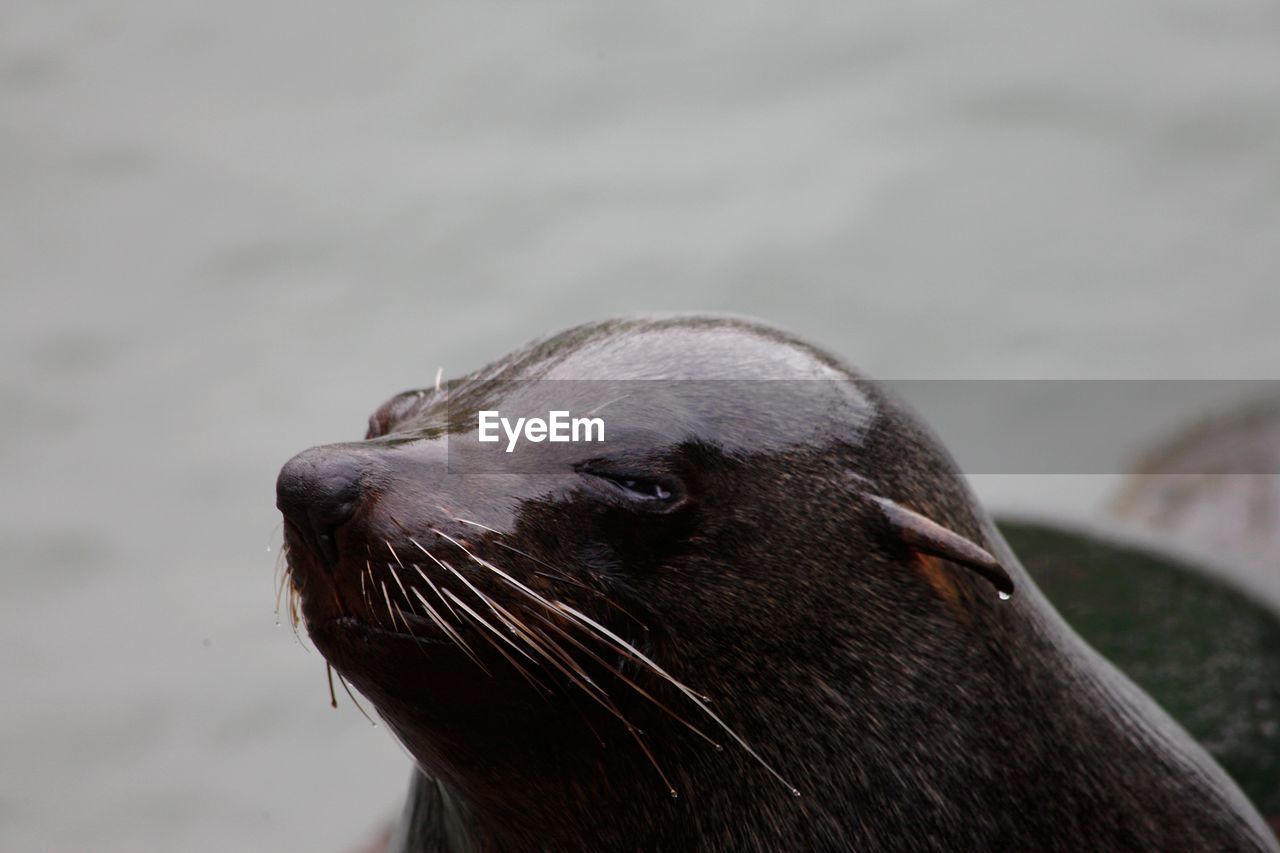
{"x": 742, "y": 388}
{"x": 722, "y": 352}
{"x": 722, "y": 383}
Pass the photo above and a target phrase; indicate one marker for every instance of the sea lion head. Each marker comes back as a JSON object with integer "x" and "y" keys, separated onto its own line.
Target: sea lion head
{"x": 693, "y": 603}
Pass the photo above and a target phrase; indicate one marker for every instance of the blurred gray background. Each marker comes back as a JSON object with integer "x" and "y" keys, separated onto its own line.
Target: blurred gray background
{"x": 228, "y": 231}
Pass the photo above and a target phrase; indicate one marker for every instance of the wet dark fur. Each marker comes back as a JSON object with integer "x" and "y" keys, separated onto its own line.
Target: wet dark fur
{"x": 912, "y": 713}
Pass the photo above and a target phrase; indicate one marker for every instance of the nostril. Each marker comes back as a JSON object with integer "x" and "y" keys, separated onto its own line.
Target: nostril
{"x": 317, "y": 491}
{"x": 325, "y": 521}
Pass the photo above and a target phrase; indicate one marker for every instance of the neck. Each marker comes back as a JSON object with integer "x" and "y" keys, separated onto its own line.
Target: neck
{"x": 431, "y": 820}
{"x": 566, "y": 790}
{"x": 636, "y": 813}
{"x": 845, "y": 736}
{"x": 880, "y": 753}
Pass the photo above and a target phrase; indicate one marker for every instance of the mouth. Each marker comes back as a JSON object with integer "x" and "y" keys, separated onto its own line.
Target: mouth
{"x": 370, "y": 607}
{"x": 410, "y": 629}
{"x": 379, "y": 630}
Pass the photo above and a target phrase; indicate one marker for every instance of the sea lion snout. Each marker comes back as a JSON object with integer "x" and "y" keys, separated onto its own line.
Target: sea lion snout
{"x": 317, "y": 491}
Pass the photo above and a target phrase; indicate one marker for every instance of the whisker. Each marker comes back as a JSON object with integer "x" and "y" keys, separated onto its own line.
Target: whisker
{"x": 639, "y": 739}
{"x": 390, "y": 610}
{"x": 295, "y": 617}
{"x": 601, "y": 632}
{"x": 355, "y": 701}
{"x": 368, "y": 602}
{"x": 281, "y": 582}
{"x": 396, "y": 576}
{"x": 280, "y": 577}
{"x": 625, "y": 647}
{"x": 537, "y": 641}
{"x": 550, "y": 651}
{"x": 597, "y": 593}
{"x": 417, "y": 644}
{"x": 489, "y": 603}
{"x": 473, "y": 523}
{"x": 436, "y": 589}
{"x": 560, "y": 573}
{"x": 544, "y": 646}
{"x": 288, "y": 590}
{"x": 486, "y": 564}
{"x": 545, "y": 642}
{"x": 619, "y": 643}
{"x": 452, "y": 634}
{"x": 694, "y": 697}
{"x": 393, "y": 552}
{"x": 629, "y": 682}
{"x": 537, "y": 685}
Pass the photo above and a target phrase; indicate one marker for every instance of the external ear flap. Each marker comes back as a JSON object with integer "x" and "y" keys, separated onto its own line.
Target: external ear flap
{"x": 929, "y": 537}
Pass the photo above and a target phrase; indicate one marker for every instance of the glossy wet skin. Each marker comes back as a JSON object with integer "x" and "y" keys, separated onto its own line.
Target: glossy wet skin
{"x": 632, "y": 535}
{"x": 540, "y": 630}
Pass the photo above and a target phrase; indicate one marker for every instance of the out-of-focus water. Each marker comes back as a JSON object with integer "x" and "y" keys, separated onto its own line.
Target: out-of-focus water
{"x": 228, "y": 231}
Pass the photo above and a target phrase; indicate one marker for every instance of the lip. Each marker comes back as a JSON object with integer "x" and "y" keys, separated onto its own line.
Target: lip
{"x": 300, "y": 547}
{"x": 421, "y": 631}
{"x": 309, "y": 575}
{"x": 335, "y": 607}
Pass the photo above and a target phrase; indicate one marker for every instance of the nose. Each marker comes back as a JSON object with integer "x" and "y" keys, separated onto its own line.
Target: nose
{"x": 317, "y": 491}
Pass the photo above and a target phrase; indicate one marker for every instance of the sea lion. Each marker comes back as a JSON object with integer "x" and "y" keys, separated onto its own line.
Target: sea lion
{"x": 766, "y": 614}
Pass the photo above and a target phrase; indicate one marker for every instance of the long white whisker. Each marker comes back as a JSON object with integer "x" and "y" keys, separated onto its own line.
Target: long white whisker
{"x": 356, "y": 702}
{"x": 393, "y": 552}
{"x": 501, "y": 636}
{"x": 477, "y": 524}
{"x": 452, "y": 634}
{"x": 396, "y": 576}
{"x": 391, "y": 611}
{"x": 629, "y": 648}
{"x": 694, "y": 697}
{"x": 629, "y": 682}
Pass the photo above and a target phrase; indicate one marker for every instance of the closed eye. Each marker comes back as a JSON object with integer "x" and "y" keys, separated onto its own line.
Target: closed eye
{"x": 655, "y": 491}
{"x": 643, "y": 489}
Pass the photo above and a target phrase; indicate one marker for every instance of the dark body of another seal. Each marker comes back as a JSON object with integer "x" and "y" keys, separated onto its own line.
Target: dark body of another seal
{"x": 772, "y": 577}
